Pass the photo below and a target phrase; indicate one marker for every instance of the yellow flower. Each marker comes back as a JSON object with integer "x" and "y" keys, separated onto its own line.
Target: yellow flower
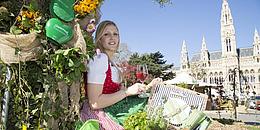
{"x": 36, "y": 14}
{"x": 19, "y": 18}
{"x": 85, "y": 7}
{"x": 24, "y": 127}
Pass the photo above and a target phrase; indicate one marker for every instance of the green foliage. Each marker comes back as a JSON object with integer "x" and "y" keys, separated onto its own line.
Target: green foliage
{"x": 126, "y": 107}
{"x": 89, "y": 45}
{"x": 5, "y": 19}
{"x": 8, "y": 10}
{"x": 142, "y": 121}
{"x": 29, "y": 96}
{"x": 137, "y": 121}
{"x": 30, "y": 88}
{"x": 252, "y": 127}
{"x": 157, "y": 66}
{"x": 183, "y": 85}
{"x": 90, "y": 124}
{"x": 13, "y": 18}
{"x": 69, "y": 64}
{"x": 3, "y": 69}
{"x": 198, "y": 70}
{"x": 156, "y": 120}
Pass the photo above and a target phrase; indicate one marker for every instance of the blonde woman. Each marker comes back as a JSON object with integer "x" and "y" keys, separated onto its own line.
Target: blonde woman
{"x": 103, "y": 78}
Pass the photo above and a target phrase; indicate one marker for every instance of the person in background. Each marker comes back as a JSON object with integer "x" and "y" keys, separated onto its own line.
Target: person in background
{"x": 103, "y": 87}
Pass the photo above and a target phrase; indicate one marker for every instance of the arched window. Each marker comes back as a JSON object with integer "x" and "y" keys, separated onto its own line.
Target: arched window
{"x": 205, "y": 77}
{"x": 242, "y": 77}
{"x": 246, "y": 77}
{"x": 258, "y": 75}
{"x": 211, "y": 78}
{"x": 230, "y": 76}
{"x": 259, "y": 78}
{"x": 229, "y": 43}
{"x": 226, "y": 17}
{"x": 220, "y": 77}
{"x": 252, "y": 77}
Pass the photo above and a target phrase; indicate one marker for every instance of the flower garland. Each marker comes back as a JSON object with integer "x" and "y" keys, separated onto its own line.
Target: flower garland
{"x": 28, "y": 20}
{"x": 85, "y": 7}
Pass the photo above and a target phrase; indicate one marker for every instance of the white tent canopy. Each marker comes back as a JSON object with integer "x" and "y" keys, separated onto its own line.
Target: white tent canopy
{"x": 201, "y": 83}
{"x": 182, "y": 78}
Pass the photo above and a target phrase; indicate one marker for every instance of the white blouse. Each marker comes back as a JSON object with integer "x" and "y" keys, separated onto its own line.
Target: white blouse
{"x": 97, "y": 68}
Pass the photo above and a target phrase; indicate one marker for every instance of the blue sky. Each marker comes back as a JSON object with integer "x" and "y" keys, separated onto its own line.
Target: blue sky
{"x": 147, "y": 28}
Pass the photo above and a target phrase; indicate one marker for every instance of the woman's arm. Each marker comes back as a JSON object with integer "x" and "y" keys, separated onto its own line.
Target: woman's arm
{"x": 98, "y": 100}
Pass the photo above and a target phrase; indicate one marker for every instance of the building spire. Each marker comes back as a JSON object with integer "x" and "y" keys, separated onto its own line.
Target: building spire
{"x": 204, "y": 45}
{"x": 184, "y": 48}
{"x": 184, "y": 57}
{"x": 228, "y": 37}
{"x": 256, "y": 37}
{"x": 204, "y": 55}
{"x": 256, "y": 44}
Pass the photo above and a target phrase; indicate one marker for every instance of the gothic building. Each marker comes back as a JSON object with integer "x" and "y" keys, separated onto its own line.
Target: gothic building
{"x": 219, "y": 67}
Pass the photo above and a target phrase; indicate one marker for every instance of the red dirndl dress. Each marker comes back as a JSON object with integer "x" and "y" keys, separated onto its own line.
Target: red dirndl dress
{"x": 106, "y": 123}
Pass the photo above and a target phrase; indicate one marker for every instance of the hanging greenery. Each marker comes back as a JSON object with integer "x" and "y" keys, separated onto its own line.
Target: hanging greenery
{"x": 36, "y": 97}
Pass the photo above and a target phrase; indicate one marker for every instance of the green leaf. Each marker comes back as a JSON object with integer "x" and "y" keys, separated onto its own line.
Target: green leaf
{"x": 57, "y": 58}
{"x": 34, "y": 111}
{"x": 82, "y": 68}
{"x": 15, "y": 30}
{"x": 33, "y": 5}
{"x": 135, "y": 108}
{"x": 26, "y": 22}
{"x": 59, "y": 51}
{"x": 39, "y": 96}
{"x": 71, "y": 63}
{"x": 66, "y": 52}
{"x": 78, "y": 72}
{"x": 90, "y": 125}
{"x": 78, "y": 125}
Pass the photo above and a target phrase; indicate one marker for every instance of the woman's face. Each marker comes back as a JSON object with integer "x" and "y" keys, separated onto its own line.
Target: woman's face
{"x": 110, "y": 38}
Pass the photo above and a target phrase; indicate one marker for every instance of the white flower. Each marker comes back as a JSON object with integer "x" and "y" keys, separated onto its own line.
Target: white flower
{"x": 92, "y": 21}
{"x": 91, "y": 27}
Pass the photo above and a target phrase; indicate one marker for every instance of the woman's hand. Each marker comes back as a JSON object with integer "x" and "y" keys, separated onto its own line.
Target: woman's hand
{"x": 154, "y": 82}
{"x": 135, "y": 89}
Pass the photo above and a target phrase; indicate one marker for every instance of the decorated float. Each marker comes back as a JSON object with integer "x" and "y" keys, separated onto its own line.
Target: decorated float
{"x": 44, "y": 45}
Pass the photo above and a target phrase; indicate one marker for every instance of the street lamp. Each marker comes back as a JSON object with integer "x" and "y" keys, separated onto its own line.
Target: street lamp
{"x": 234, "y": 90}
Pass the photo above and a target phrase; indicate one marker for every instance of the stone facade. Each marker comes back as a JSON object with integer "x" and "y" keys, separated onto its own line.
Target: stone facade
{"x": 219, "y": 67}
